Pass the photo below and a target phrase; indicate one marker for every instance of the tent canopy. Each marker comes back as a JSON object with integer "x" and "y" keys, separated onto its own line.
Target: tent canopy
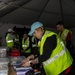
{"x": 49, "y": 12}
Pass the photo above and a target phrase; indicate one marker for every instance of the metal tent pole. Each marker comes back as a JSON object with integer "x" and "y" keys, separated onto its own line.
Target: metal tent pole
{"x": 42, "y": 10}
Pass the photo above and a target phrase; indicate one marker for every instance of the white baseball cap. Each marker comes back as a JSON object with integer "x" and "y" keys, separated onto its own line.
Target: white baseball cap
{"x": 10, "y": 30}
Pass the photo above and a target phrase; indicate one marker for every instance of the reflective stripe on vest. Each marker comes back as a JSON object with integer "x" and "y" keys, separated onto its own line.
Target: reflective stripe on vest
{"x": 9, "y": 41}
{"x": 16, "y": 39}
{"x": 64, "y": 34}
{"x": 56, "y": 56}
{"x": 24, "y": 45}
{"x": 33, "y": 45}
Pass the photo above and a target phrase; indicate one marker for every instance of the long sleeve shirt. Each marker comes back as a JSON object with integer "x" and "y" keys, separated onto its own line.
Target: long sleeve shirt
{"x": 49, "y": 46}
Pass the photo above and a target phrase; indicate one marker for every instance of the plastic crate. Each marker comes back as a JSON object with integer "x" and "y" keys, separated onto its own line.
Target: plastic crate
{"x": 3, "y": 69}
{"x": 16, "y": 60}
{"x": 3, "y": 51}
{"x": 4, "y": 61}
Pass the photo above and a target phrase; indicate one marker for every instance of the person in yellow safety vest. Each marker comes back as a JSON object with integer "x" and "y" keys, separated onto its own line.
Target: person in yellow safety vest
{"x": 54, "y": 56}
{"x": 26, "y": 50}
{"x": 10, "y": 39}
{"x": 65, "y": 35}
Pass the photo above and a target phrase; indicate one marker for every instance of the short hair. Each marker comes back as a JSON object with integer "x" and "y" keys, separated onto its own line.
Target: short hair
{"x": 60, "y": 23}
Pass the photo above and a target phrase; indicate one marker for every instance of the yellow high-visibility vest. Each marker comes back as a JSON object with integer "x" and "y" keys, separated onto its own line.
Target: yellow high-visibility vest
{"x": 60, "y": 59}
{"x": 25, "y": 45}
{"x": 9, "y": 41}
{"x": 64, "y": 34}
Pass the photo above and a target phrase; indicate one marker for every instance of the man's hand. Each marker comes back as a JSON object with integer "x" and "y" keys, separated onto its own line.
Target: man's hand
{"x": 27, "y": 59}
{"x": 26, "y": 64}
{"x": 31, "y": 57}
